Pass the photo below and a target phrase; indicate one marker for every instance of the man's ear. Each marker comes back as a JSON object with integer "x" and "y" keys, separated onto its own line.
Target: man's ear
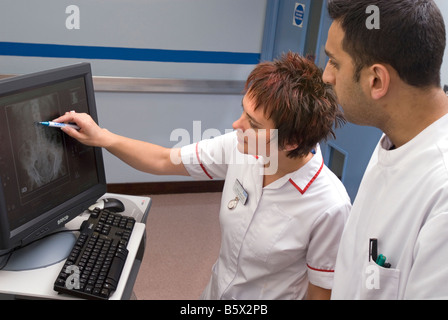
{"x": 379, "y": 81}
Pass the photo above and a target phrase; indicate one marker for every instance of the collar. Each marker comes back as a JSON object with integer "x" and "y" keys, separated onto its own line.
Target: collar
{"x": 421, "y": 143}
{"x": 305, "y": 182}
{"x": 304, "y": 177}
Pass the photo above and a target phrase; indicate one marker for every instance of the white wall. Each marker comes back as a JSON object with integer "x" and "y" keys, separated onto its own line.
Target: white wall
{"x": 199, "y": 25}
{"x": 153, "y": 117}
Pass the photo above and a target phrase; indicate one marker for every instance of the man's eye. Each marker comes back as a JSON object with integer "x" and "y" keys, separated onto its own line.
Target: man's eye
{"x": 332, "y": 63}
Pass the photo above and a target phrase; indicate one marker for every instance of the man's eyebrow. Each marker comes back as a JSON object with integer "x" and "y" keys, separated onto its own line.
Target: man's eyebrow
{"x": 329, "y": 54}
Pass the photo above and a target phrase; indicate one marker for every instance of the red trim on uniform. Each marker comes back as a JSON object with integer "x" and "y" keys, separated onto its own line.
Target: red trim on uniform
{"x": 202, "y": 166}
{"x": 320, "y": 270}
{"x": 309, "y": 183}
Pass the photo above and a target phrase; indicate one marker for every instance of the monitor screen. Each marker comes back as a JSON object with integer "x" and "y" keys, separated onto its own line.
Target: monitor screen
{"x": 47, "y": 178}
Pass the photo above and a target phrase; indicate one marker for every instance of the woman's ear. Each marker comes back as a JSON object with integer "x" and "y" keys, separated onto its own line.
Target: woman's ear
{"x": 290, "y": 147}
{"x": 379, "y": 81}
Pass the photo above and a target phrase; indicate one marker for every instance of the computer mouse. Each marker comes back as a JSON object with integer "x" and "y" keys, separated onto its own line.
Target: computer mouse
{"x": 111, "y": 204}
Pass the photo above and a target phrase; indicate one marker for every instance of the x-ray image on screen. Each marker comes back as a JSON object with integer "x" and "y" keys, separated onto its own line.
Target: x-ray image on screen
{"x": 47, "y": 178}
{"x": 38, "y": 151}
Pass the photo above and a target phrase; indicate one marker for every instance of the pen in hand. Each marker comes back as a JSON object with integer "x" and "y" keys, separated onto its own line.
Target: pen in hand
{"x": 59, "y": 124}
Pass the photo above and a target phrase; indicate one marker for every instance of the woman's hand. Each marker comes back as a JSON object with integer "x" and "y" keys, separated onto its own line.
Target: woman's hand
{"x": 89, "y": 133}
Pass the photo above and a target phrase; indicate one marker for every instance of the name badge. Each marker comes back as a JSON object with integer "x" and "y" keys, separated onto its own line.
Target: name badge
{"x": 241, "y": 195}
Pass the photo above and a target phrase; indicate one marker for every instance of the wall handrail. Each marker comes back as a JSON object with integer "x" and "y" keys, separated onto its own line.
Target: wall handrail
{"x": 159, "y": 85}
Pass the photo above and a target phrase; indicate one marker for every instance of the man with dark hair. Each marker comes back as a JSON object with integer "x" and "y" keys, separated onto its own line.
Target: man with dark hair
{"x": 282, "y": 211}
{"x": 395, "y": 243}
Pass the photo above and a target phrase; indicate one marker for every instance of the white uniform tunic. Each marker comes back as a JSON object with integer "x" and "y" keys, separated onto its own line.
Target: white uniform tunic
{"x": 403, "y": 202}
{"x": 284, "y": 236}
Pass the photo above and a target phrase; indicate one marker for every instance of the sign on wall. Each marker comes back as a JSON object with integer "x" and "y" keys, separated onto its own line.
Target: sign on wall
{"x": 299, "y": 15}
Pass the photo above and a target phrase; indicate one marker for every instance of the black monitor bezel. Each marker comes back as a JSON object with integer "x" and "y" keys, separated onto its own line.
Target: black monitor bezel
{"x": 58, "y": 216}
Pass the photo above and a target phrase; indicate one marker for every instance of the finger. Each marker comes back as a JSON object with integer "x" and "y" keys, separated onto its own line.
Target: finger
{"x": 64, "y": 118}
{"x": 67, "y": 117}
{"x": 71, "y": 132}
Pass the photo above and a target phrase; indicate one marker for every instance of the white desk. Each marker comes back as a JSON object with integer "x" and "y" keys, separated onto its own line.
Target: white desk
{"x": 38, "y": 283}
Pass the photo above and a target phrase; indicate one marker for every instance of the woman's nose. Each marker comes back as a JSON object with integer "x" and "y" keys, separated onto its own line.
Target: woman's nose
{"x": 238, "y": 124}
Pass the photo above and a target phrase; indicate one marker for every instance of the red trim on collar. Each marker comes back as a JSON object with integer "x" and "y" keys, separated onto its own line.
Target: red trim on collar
{"x": 199, "y": 160}
{"x": 309, "y": 183}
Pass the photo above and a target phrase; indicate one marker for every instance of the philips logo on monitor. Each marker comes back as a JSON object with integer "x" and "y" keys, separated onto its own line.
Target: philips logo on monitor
{"x": 63, "y": 219}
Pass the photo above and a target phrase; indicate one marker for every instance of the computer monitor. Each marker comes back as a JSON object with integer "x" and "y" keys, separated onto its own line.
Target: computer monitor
{"x": 46, "y": 177}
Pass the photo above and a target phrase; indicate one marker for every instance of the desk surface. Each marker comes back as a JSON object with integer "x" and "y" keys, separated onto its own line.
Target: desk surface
{"x": 38, "y": 283}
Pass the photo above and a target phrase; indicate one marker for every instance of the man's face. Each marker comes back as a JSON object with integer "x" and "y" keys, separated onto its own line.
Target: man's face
{"x": 339, "y": 72}
{"x": 256, "y": 134}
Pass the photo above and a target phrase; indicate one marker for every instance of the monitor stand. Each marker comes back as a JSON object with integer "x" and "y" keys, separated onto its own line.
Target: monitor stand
{"x": 42, "y": 253}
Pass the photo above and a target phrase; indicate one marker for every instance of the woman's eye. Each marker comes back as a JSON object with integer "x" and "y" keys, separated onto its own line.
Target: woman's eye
{"x": 252, "y": 125}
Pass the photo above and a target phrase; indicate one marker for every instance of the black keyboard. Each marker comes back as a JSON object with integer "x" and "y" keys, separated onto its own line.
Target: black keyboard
{"x": 93, "y": 267}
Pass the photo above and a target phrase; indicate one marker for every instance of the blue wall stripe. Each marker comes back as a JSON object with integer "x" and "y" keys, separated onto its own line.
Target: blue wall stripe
{"x": 134, "y": 54}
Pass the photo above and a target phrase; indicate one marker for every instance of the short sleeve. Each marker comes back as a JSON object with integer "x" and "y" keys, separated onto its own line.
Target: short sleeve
{"x": 324, "y": 244}
{"x": 208, "y": 159}
{"x": 429, "y": 275}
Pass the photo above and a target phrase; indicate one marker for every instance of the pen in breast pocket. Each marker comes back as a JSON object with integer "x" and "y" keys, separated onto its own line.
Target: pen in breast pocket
{"x": 59, "y": 124}
{"x": 373, "y": 249}
{"x": 381, "y": 261}
{"x": 373, "y": 253}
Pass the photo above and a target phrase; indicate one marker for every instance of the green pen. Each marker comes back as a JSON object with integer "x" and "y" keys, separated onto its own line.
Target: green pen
{"x": 380, "y": 260}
